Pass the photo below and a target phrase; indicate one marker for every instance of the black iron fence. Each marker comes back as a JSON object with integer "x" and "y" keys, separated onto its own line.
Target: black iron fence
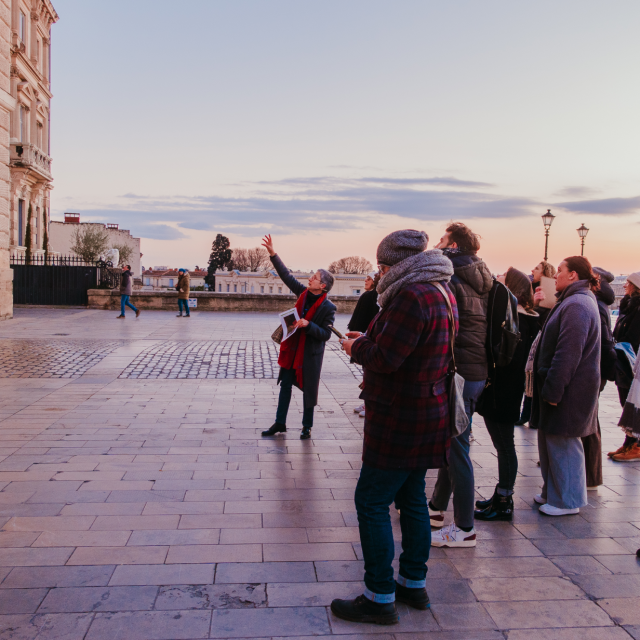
{"x": 59, "y": 280}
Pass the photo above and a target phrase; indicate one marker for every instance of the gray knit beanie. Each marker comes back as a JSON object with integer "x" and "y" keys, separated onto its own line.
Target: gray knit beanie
{"x": 603, "y": 273}
{"x": 400, "y": 245}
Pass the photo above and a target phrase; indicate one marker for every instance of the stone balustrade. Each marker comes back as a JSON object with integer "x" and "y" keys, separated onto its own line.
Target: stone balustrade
{"x": 25, "y": 154}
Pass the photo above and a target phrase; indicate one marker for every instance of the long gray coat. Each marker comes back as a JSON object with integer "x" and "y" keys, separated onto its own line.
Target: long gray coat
{"x": 317, "y": 334}
{"x": 567, "y": 366}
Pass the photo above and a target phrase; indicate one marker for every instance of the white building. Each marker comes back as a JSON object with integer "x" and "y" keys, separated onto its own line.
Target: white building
{"x": 160, "y": 278}
{"x": 268, "y": 282}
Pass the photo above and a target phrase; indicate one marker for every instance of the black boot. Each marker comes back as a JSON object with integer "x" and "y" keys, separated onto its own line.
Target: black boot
{"x": 273, "y": 429}
{"x": 416, "y": 598}
{"x": 483, "y": 504}
{"x": 501, "y": 508}
{"x": 364, "y": 610}
{"x": 306, "y": 433}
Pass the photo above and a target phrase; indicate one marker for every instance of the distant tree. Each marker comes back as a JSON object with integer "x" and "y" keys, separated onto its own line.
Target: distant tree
{"x": 45, "y": 236}
{"x": 90, "y": 242}
{"x": 249, "y": 259}
{"x": 125, "y": 252}
{"x": 27, "y": 239}
{"x": 352, "y": 264}
{"x": 220, "y": 256}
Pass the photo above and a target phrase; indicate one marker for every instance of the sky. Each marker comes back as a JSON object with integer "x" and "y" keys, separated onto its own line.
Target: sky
{"x": 330, "y": 124}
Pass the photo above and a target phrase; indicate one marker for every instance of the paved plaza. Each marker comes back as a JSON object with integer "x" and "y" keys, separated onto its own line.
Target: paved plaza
{"x": 138, "y": 501}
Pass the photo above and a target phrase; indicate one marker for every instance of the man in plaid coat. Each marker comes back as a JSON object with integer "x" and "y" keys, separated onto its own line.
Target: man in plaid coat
{"x": 405, "y": 355}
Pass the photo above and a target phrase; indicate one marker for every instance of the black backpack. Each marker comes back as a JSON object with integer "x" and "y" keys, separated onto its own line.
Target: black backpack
{"x": 503, "y": 332}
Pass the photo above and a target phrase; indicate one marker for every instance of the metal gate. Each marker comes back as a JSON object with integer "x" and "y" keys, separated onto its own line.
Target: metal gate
{"x": 61, "y": 281}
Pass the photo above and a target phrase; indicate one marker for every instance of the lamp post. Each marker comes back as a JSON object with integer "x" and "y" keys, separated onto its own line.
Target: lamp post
{"x": 547, "y": 221}
{"x": 582, "y": 232}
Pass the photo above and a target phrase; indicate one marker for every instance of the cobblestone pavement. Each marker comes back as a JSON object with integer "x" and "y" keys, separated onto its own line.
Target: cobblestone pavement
{"x": 153, "y": 509}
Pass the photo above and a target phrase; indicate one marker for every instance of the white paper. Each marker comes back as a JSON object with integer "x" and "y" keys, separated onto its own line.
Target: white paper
{"x": 287, "y": 320}
{"x": 548, "y": 286}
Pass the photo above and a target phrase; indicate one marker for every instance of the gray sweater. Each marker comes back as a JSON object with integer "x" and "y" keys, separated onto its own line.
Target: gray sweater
{"x": 567, "y": 366}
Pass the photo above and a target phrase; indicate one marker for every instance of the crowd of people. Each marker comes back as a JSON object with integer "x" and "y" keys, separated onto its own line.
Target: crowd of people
{"x": 428, "y": 316}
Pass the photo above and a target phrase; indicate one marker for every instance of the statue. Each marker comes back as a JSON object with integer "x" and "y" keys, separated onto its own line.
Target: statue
{"x": 113, "y": 256}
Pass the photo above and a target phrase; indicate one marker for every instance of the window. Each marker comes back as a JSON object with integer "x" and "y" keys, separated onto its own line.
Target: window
{"x": 147, "y": 281}
{"x": 235, "y": 288}
{"x": 279, "y": 289}
{"x": 219, "y": 288}
{"x": 171, "y": 282}
{"x": 261, "y": 289}
{"x": 23, "y": 27}
{"x": 39, "y": 53}
{"x": 23, "y": 123}
{"x": 39, "y": 136}
{"x": 20, "y": 222}
{"x": 228, "y": 288}
{"x": 356, "y": 292}
{"x": 252, "y": 291}
{"x": 270, "y": 289}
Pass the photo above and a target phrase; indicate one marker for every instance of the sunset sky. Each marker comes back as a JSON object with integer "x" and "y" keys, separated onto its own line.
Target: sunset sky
{"x": 329, "y": 124}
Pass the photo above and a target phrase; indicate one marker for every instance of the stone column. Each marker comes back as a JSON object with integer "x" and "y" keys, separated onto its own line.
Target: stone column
{"x": 7, "y": 105}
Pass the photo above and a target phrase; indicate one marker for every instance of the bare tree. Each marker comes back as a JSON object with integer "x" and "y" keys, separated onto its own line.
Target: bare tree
{"x": 125, "y": 252}
{"x": 249, "y": 259}
{"x": 352, "y": 264}
{"x": 89, "y": 242}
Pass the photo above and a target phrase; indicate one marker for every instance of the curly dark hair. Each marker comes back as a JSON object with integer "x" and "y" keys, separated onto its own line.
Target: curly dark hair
{"x": 463, "y": 237}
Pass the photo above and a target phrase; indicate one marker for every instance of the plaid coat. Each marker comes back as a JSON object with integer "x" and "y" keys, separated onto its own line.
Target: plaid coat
{"x": 405, "y": 356}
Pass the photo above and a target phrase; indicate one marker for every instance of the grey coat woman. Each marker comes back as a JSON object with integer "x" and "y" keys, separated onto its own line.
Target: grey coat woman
{"x": 565, "y": 387}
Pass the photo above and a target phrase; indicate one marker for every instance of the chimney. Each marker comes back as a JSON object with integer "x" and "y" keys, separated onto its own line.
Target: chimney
{"x": 72, "y": 218}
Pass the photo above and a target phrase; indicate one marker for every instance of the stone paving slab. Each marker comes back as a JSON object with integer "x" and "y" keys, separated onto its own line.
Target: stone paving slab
{"x": 151, "y": 507}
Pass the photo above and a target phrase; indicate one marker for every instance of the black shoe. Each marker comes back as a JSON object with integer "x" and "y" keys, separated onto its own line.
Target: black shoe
{"x": 120, "y": 316}
{"x": 273, "y": 429}
{"x": 483, "y": 504}
{"x": 306, "y": 433}
{"x": 179, "y": 315}
{"x": 500, "y": 509}
{"x": 531, "y": 426}
{"x": 137, "y": 313}
{"x": 416, "y": 598}
{"x": 363, "y": 610}
{"x": 638, "y": 553}
{"x": 521, "y": 423}
{"x": 188, "y": 315}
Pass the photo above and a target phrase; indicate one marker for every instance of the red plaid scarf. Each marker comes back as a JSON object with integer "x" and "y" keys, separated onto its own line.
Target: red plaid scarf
{"x": 292, "y": 349}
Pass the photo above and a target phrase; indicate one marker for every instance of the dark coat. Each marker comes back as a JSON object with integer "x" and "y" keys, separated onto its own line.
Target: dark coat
{"x": 471, "y": 284}
{"x": 628, "y": 326}
{"x": 317, "y": 334}
{"x": 184, "y": 283}
{"x": 567, "y": 366}
{"x": 605, "y": 297}
{"x": 126, "y": 283}
{"x": 502, "y": 398}
{"x": 366, "y": 310}
{"x": 405, "y": 358}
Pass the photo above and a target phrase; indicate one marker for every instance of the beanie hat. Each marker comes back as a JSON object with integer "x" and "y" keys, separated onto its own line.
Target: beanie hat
{"x": 372, "y": 274}
{"x": 634, "y": 279}
{"x": 400, "y": 245}
{"x": 603, "y": 273}
{"x": 182, "y": 270}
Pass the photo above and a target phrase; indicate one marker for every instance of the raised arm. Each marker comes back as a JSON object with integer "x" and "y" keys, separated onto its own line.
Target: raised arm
{"x": 281, "y": 270}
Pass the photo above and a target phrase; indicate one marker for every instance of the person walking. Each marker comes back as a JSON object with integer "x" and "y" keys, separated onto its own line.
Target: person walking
{"x": 592, "y": 444}
{"x": 405, "y": 356}
{"x": 470, "y": 284}
{"x": 302, "y": 353}
{"x": 565, "y": 388}
{"x": 366, "y": 310}
{"x": 500, "y": 402}
{"x": 126, "y": 290}
{"x": 183, "y": 288}
{"x": 627, "y": 330}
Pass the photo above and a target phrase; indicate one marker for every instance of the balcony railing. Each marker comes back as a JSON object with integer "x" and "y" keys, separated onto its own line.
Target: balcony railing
{"x": 25, "y": 154}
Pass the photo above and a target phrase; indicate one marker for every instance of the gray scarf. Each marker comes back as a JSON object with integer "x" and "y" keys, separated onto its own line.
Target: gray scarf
{"x": 429, "y": 266}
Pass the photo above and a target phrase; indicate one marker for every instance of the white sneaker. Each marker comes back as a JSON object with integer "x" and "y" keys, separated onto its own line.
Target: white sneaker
{"x": 362, "y": 414}
{"x": 450, "y": 536}
{"x": 556, "y": 511}
{"x": 539, "y": 499}
{"x": 437, "y": 518}
{"x": 359, "y": 409}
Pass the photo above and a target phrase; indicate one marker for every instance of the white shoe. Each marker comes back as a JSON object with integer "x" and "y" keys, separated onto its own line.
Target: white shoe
{"x": 450, "y": 536}
{"x": 555, "y": 511}
{"x": 359, "y": 409}
{"x": 437, "y": 518}
{"x": 593, "y": 488}
{"x": 539, "y": 499}
{"x": 362, "y": 414}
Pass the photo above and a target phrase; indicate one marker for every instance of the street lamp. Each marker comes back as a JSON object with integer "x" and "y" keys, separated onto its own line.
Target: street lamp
{"x": 547, "y": 221}
{"x": 582, "y": 232}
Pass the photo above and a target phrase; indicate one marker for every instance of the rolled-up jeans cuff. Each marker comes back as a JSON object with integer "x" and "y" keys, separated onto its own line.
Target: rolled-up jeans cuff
{"x": 411, "y": 584}
{"x": 380, "y": 598}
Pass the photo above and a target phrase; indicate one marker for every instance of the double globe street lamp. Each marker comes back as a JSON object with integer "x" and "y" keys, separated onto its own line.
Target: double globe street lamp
{"x": 582, "y": 232}
{"x": 547, "y": 221}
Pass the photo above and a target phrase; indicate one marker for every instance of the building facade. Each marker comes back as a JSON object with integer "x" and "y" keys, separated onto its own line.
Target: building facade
{"x": 161, "y": 279}
{"x": 61, "y": 238}
{"x": 30, "y": 122}
{"x": 268, "y": 282}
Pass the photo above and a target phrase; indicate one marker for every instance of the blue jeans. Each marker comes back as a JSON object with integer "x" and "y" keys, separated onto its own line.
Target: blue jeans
{"x": 284, "y": 400}
{"x": 124, "y": 300}
{"x": 457, "y": 478}
{"x": 185, "y": 304}
{"x": 377, "y": 489}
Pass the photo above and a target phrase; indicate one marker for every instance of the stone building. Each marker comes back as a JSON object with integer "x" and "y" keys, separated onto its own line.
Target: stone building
{"x": 268, "y": 282}
{"x": 61, "y": 237}
{"x": 159, "y": 279}
{"x": 30, "y": 122}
